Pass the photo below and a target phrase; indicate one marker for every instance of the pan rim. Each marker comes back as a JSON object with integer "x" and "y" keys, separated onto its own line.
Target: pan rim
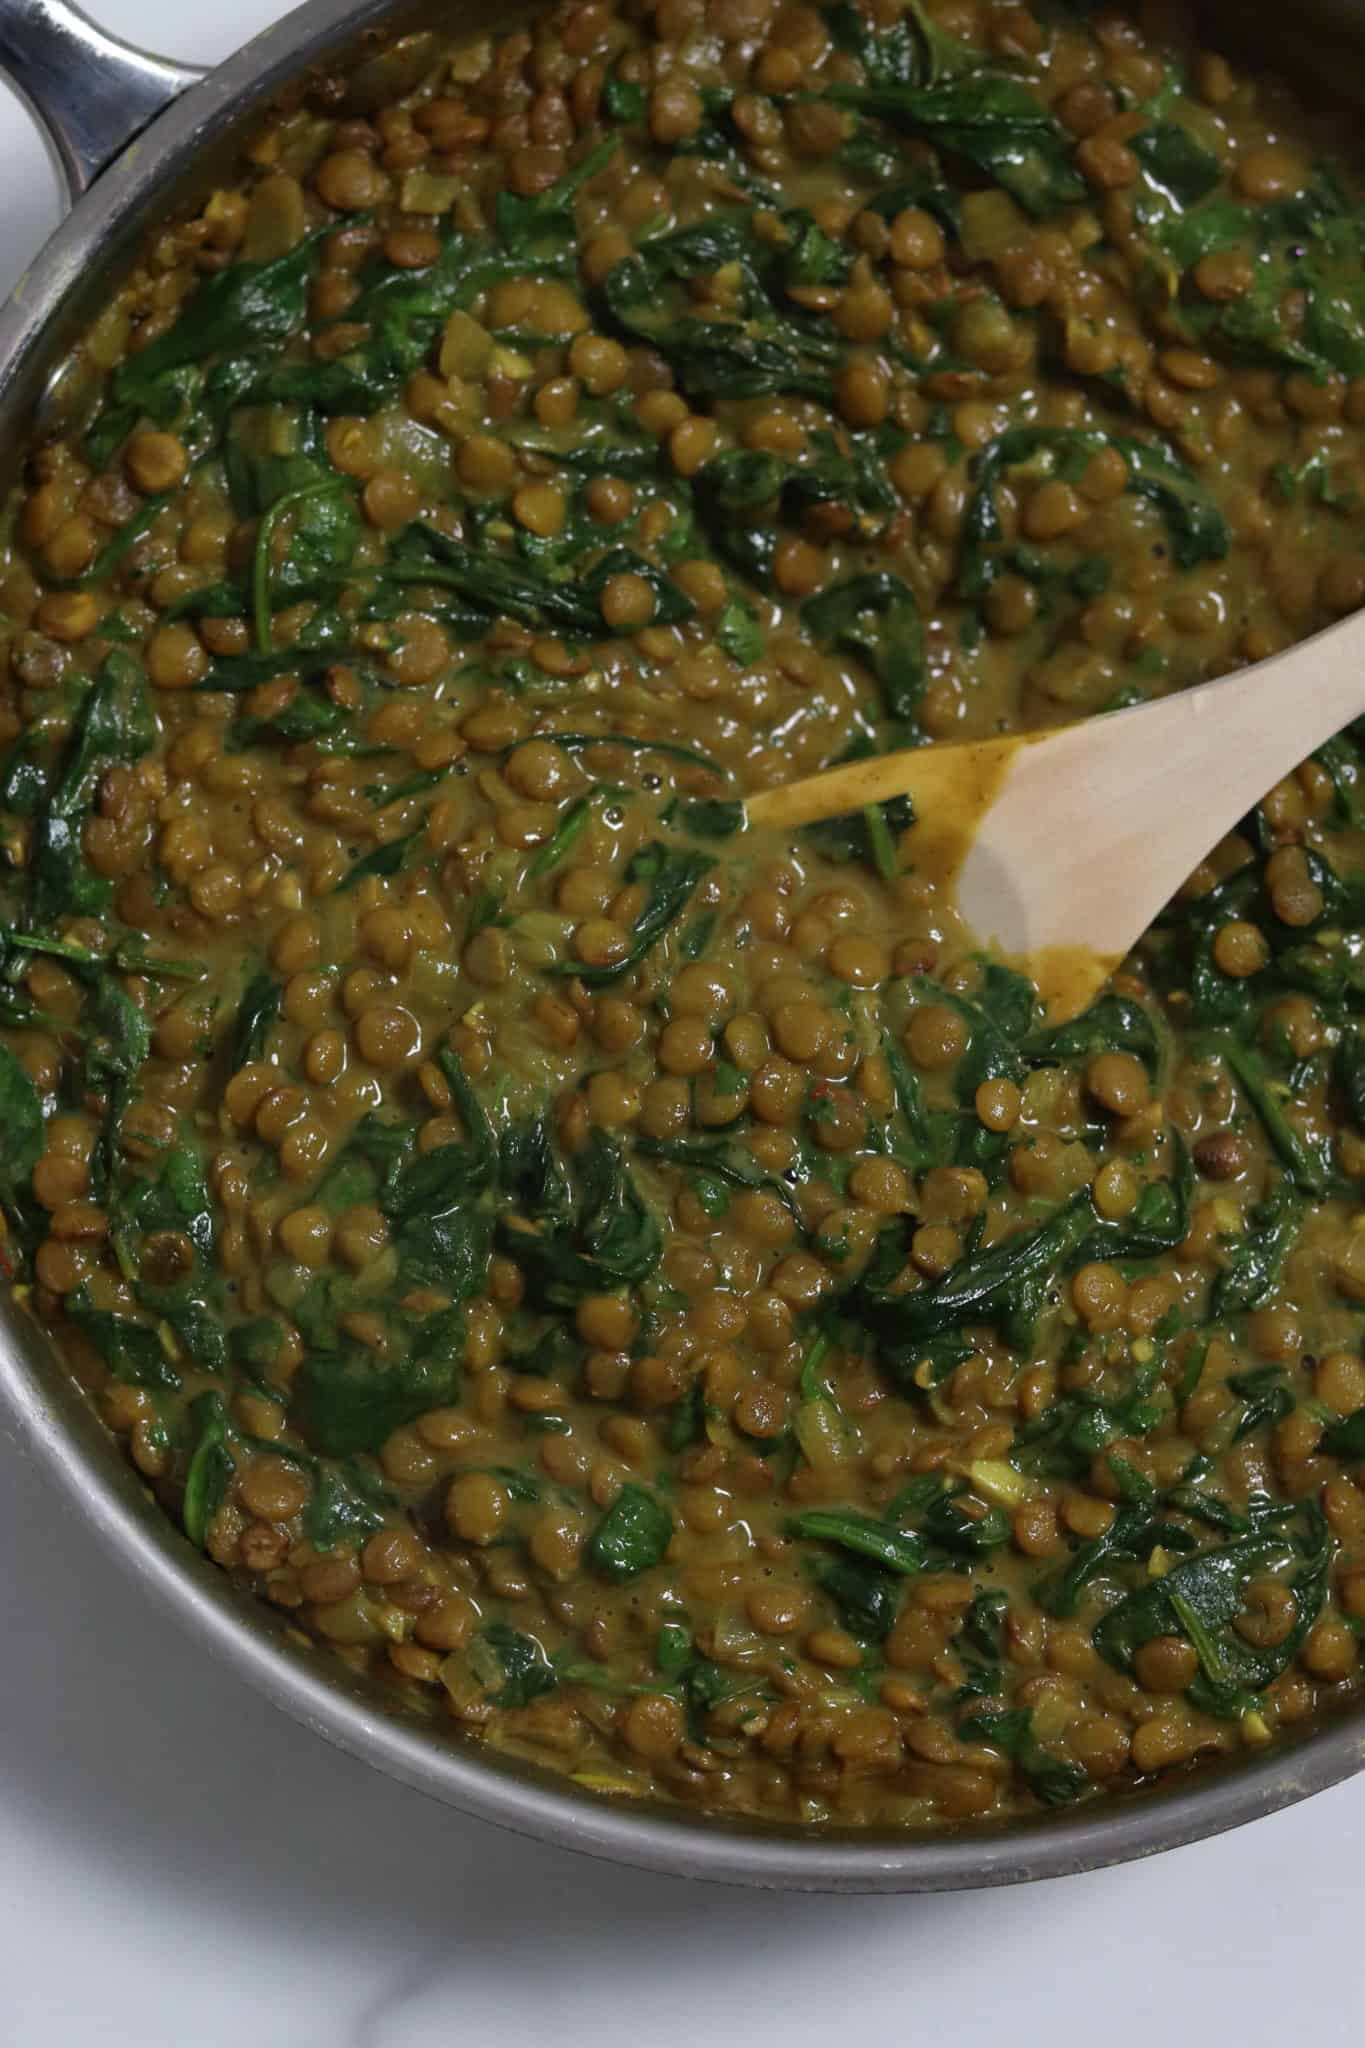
{"x": 51, "y": 1418}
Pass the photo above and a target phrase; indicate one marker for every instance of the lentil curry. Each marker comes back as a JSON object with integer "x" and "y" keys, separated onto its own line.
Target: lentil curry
{"x": 651, "y": 1292}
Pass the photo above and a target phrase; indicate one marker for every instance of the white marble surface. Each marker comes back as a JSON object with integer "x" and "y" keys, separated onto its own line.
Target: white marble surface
{"x": 180, "y": 1867}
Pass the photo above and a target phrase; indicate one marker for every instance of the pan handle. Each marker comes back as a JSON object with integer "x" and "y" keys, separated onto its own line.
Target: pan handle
{"x": 91, "y": 93}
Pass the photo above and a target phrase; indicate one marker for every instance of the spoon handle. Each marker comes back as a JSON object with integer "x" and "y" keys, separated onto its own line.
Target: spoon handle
{"x": 1063, "y": 845}
{"x": 962, "y": 777}
{"x": 1248, "y": 729}
{"x": 1094, "y": 828}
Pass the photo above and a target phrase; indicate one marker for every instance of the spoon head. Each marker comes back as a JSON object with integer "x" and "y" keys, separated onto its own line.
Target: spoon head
{"x": 990, "y": 840}
{"x": 1068, "y": 978}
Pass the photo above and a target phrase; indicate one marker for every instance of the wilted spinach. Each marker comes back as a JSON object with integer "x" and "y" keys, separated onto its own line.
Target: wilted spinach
{"x": 671, "y": 875}
{"x": 1054, "y": 1780}
{"x": 592, "y": 1237}
{"x": 1197, "y": 528}
{"x": 993, "y": 123}
{"x": 757, "y": 352}
{"x": 631, "y": 1537}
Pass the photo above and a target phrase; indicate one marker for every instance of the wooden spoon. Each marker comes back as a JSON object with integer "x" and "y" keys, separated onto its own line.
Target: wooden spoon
{"x": 1064, "y": 845}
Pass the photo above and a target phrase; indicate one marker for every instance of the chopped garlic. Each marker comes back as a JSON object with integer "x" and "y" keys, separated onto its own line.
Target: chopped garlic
{"x": 998, "y": 1481}
{"x": 607, "y": 1781}
{"x": 509, "y": 362}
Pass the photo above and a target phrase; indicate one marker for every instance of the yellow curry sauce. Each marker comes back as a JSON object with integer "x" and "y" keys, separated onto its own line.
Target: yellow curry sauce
{"x": 645, "y": 1287}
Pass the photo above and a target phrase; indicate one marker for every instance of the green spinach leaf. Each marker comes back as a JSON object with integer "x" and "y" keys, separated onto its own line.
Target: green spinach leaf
{"x": 632, "y": 1536}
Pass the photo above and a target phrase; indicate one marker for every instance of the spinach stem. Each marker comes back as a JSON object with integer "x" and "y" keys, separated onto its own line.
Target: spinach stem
{"x": 811, "y": 1385}
{"x": 563, "y": 839}
{"x": 1205, "y": 1648}
{"x": 883, "y": 844}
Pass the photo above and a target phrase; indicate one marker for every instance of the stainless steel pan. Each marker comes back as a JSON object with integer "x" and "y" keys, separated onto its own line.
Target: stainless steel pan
{"x": 134, "y": 136}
